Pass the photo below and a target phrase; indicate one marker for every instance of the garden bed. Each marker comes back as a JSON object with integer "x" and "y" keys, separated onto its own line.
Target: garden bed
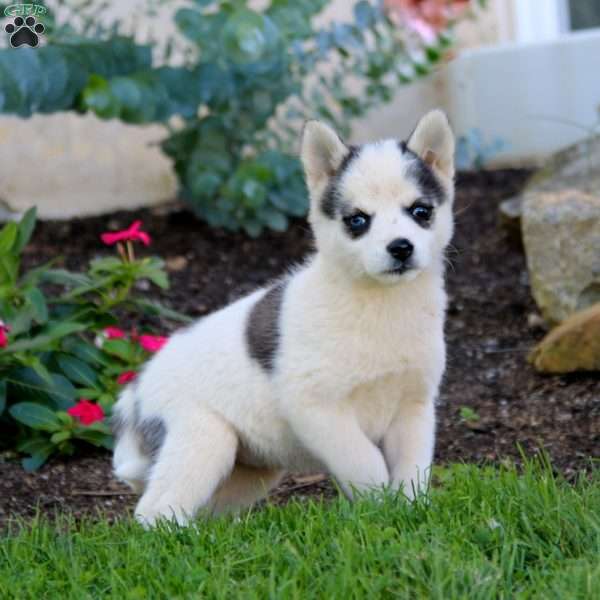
{"x": 491, "y": 402}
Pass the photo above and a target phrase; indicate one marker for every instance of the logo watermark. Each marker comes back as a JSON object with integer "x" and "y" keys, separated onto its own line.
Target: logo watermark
{"x": 25, "y": 30}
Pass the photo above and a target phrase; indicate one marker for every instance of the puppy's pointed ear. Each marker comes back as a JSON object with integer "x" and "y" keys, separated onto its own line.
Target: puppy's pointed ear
{"x": 433, "y": 141}
{"x": 322, "y": 152}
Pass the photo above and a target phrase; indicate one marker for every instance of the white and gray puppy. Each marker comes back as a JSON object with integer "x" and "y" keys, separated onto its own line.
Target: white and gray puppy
{"x": 334, "y": 367}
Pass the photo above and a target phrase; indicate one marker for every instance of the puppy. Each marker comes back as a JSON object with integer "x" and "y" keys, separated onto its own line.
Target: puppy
{"x": 334, "y": 367}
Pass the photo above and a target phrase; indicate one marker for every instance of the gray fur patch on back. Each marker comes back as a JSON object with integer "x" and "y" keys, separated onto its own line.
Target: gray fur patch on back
{"x": 152, "y": 432}
{"x": 262, "y": 328}
{"x": 118, "y": 423}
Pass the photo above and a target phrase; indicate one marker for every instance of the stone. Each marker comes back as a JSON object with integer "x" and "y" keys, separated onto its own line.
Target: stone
{"x": 572, "y": 346}
{"x": 176, "y": 263}
{"x": 509, "y": 212}
{"x": 71, "y": 165}
{"x": 561, "y": 232}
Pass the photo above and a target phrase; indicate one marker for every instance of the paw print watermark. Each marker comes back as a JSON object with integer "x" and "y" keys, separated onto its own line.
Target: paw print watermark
{"x": 25, "y": 30}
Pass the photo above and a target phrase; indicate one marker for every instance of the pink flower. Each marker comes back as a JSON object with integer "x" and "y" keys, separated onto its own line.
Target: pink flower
{"x": 4, "y": 329}
{"x": 427, "y": 17}
{"x": 152, "y": 343}
{"x": 114, "y": 333}
{"x": 132, "y": 234}
{"x": 86, "y": 412}
{"x": 126, "y": 377}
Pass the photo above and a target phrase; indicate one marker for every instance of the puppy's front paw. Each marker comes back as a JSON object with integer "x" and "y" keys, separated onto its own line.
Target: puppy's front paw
{"x": 148, "y": 515}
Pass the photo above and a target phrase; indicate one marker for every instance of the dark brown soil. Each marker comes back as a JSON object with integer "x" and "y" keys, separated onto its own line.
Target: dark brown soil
{"x": 491, "y": 326}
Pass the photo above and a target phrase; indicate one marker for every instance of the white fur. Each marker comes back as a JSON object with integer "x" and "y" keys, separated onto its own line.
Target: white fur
{"x": 360, "y": 357}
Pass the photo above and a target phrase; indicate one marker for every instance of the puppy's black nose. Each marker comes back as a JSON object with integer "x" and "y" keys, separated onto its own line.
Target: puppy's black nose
{"x": 401, "y": 249}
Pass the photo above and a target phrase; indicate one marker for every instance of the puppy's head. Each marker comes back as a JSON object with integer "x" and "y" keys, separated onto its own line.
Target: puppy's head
{"x": 383, "y": 210}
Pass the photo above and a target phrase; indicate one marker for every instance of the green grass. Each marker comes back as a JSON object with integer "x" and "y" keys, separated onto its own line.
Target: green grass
{"x": 483, "y": 533}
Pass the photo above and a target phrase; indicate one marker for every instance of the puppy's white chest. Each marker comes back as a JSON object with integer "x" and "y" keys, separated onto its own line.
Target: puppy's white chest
{"x": 375, "y": 404}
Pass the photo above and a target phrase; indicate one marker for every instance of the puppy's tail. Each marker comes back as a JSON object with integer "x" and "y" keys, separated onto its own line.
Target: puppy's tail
{"x": 130, "y": 464}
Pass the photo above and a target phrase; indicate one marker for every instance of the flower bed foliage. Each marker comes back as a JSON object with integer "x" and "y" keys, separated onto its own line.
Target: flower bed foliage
{"x": 62, "y": 358}
{"x": 250, "y": 78}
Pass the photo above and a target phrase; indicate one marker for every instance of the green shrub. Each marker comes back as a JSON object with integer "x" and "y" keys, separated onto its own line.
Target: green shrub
{"x": 250, "y": 79}
{"x": 49, "y": 355}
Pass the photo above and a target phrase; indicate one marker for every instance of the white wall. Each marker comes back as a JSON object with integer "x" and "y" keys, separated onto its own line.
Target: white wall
{"x": 537, "y": 97}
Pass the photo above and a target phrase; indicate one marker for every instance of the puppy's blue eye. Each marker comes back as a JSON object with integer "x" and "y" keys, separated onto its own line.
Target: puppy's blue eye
{"x": 421, "y": 212}
{"x": 357, "y": 224}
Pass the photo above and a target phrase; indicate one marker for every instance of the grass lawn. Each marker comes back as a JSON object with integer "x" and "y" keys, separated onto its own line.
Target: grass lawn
{"x": 482, "y": 533}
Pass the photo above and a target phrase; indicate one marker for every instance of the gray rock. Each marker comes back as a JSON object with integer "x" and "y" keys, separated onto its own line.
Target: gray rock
{"x": 561, "y": 232}
{"x": 510, "y": 215}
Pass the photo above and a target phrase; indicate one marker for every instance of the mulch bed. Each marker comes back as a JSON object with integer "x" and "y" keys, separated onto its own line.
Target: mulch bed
{"x": 491, "y": 326}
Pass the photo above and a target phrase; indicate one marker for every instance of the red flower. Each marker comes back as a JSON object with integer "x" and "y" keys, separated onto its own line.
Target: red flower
{"x": 4, "y": 329}
{"x": 114, "y": 333}
{"x": 86, "y": 412}
{"x": 131, "y": 234}
{"x": 126, "y": 377}
{"x": 152, "y": 343}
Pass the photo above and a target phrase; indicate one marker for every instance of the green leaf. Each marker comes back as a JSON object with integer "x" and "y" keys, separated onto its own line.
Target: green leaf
{"x": 274, "y": 220}
{"x": 97, "y": 97}
{"x": 119, "y": 348}
{"x": 253, "y": 228}
{"x": 433, "y": 54}
{"x": 27, "y": 384}
{"x": 9, "y": 268}
{"x": 8, "y": 236}
{"x": 26, "y": 227}
{"x": 95, "y": 437}
{"x": 364, "y": 14}
{"x": 33, "y": 445}
{"x": 57, "y": 329}
{"x": 38, "y": 302}
{"x": 35, "y": 461}
{"x": 63, "y": 393}
{"x": 45, "y": 340}
{"x": 33, "y": 276}
{"x": 36, "y": 364}
{"x": 64, "y": 277}
{"x": 2, "y": 396}
{"x": 85, "y": 351}
{"x": 251, "y": 39}
{"x": 60, "y": 436}
{"x": 78, "y": 371}
{"x": 107, "y": 264}
{"x": 89, "y": 393}
{"x": 191, "y": 23}
{"x": 35, "y": 416}
{"x": 156, "y": 308}
{"x": 154, "y": 271}
{"x": 96, "y": 426}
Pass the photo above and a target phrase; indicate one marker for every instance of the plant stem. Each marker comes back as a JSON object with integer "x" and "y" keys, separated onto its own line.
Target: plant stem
{"x": 122, "y": 252}
{"x": 130, "y": 251}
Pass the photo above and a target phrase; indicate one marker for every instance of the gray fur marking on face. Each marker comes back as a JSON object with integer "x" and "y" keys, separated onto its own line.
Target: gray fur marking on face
{"x": 152, "y": 432}
{"x": 330, "y": 199}
{"x": 424, "y": 176}
{"x": 262, "y": 328}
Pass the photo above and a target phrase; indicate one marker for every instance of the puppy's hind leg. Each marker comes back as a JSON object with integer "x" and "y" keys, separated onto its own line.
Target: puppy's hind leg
{"x": 197, "y": 455}
{"x": 243, "y": 488}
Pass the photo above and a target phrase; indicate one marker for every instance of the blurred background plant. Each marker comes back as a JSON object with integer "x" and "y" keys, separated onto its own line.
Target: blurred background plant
{"x": 473, "y": 151}
{"x": 62, "y": 361}
{"x": 246, "y": 81}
